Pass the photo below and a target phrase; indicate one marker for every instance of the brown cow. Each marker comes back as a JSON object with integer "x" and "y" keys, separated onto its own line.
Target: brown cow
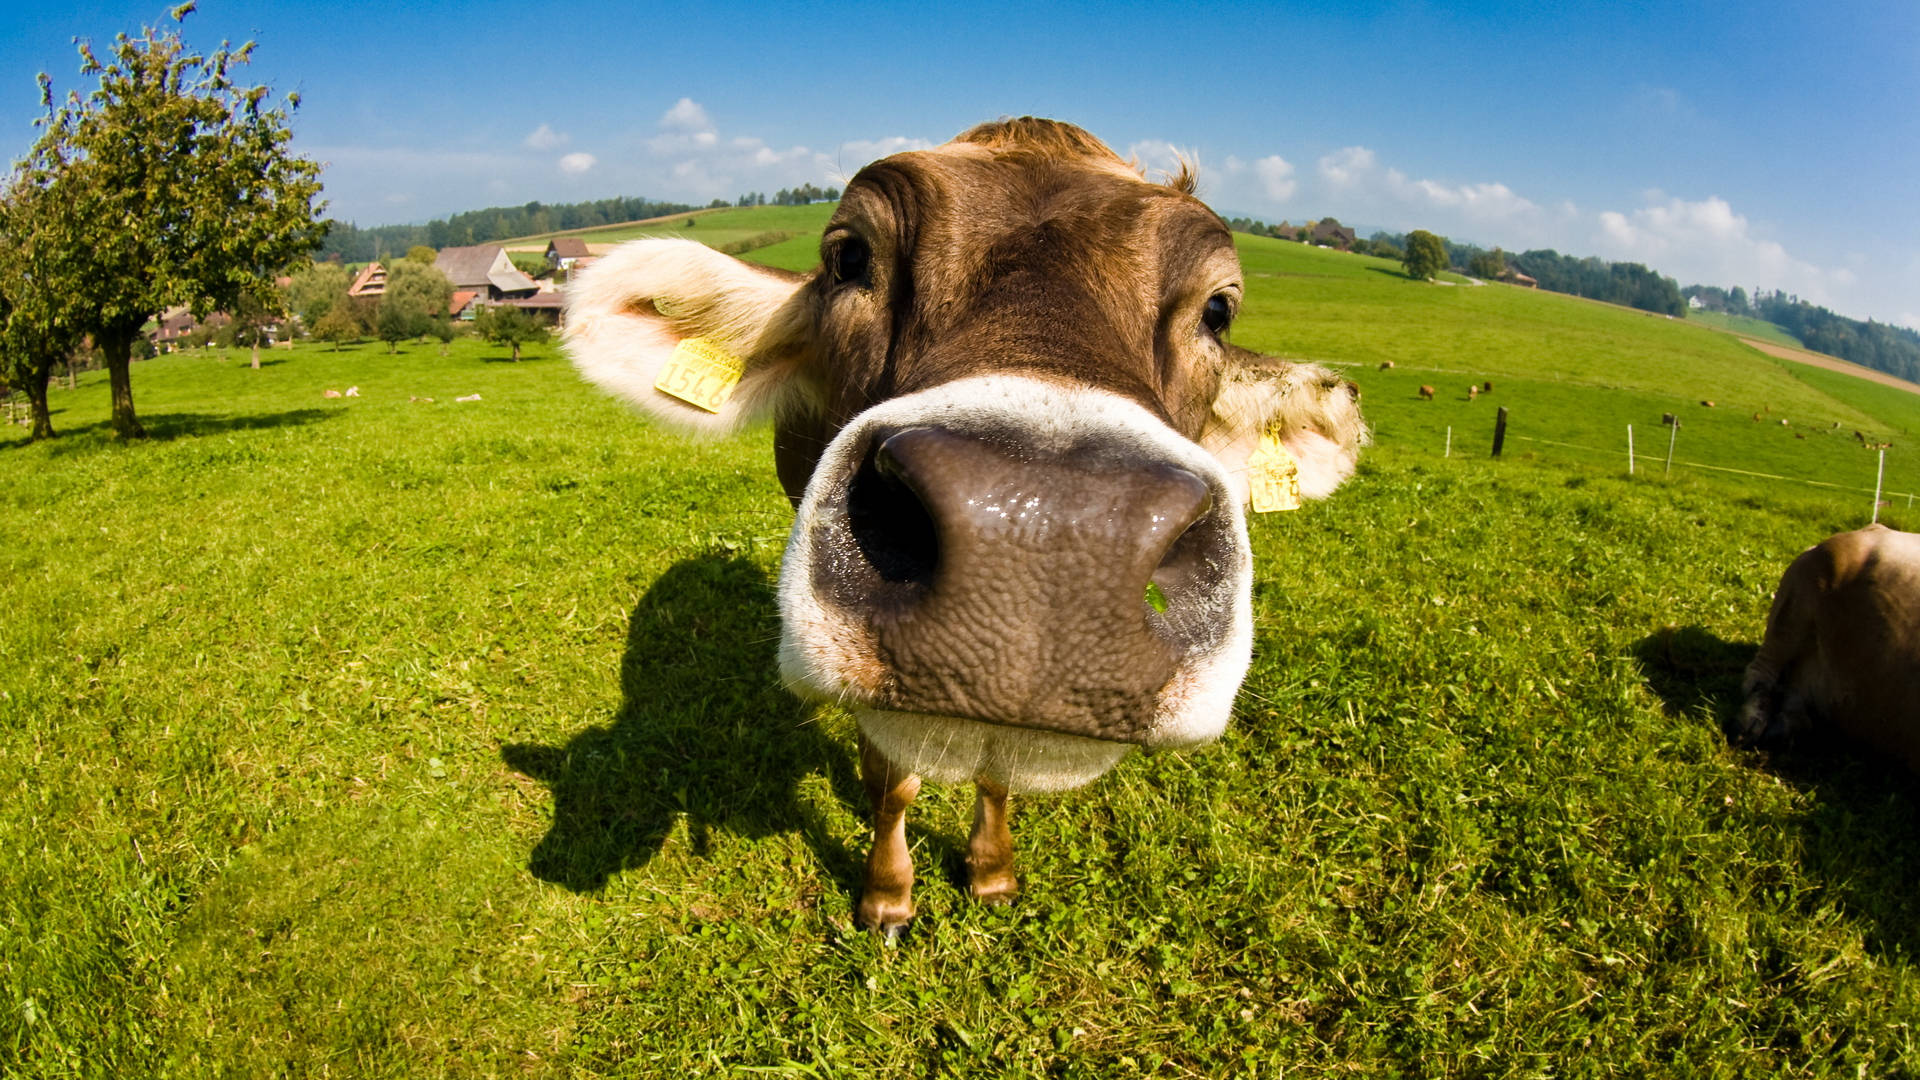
{"x": 1426, "y": 393}
{"x": 1019, "y": 446}
{"x": 1843, "y": 646}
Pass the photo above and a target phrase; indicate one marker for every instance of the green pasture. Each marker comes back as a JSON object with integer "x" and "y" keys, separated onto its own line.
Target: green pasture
{"x": 714, "y": 228}
{"x": 378, "y": 737}
{"x": 1745, "y": 326}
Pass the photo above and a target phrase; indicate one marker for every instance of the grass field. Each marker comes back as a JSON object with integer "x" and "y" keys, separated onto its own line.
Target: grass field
{"x": 377, "y": 738}
{"x": 1744, "y": 326}
{"x": 715, "y": 228}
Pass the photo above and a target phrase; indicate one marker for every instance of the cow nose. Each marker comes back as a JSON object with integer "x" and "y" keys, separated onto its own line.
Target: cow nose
{"x": 1025, "y": 587}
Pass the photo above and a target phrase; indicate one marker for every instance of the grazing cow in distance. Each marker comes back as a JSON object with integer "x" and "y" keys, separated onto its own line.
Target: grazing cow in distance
{"x": 1472, "y": 392}
{"x": 1843, "y": 646}
{"x": 1426, "y": 393}
{"x": 1707, "y": 404}
{"x": 1019, "y": 445}
{"x": 1386, "y": 365}
{"x": 1487, "y": 387}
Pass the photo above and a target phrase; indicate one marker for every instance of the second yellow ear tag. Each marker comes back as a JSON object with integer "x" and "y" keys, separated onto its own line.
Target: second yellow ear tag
{"x": 1273, "y": 476}
{"x": 701, "y": 373}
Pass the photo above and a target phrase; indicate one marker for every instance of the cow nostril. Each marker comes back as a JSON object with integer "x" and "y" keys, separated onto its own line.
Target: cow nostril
{"x": 1189, "y": 563}
{"x": 889, "y": 522}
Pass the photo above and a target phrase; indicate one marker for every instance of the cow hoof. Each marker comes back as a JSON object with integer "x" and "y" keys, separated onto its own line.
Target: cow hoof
{"x": 884, "y": 916}
{"x": 995, "y": 891}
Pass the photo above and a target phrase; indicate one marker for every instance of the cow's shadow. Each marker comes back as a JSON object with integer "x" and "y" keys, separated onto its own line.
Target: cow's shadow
{"x": 1860, "y": 835}
{"x": 704, "y": 732}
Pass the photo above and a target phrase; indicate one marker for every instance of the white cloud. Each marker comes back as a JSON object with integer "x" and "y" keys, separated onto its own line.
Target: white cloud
{"x": 577, "y": 163}
{"x": 1345, "y": 168}
{"x": 686, "y": 115}
{"x": 1708, "y": 241}
{"x": 545, "y": 138}
{"x": 1276, "y": 177}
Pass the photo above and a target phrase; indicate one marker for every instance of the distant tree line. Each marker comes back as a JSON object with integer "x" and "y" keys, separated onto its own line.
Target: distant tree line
{"x": 1878, "y": 345}
{"x": 1628, "y": 284}
{"x": 800, "y": 196}
{"x": 351, "y": 243}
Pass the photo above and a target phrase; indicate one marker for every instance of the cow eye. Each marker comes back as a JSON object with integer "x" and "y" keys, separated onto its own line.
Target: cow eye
{"x": 850, "y": 261}
{"x": 1219, "y": 314}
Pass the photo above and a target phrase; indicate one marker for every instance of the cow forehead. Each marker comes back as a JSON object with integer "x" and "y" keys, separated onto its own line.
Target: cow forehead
{"x": 1049, "y": 259}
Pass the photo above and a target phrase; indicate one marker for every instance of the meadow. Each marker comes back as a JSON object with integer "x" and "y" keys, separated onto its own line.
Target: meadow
{"x": 378, "y": 737}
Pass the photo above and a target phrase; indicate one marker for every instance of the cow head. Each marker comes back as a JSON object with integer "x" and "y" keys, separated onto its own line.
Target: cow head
{"x": 1017, "y": 438}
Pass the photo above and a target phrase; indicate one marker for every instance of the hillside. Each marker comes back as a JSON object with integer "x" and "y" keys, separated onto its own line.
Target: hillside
{"x": 722, "y": 228}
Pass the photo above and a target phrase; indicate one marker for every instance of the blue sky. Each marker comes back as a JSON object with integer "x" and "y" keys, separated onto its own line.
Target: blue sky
{"x": 1757, "y": 144}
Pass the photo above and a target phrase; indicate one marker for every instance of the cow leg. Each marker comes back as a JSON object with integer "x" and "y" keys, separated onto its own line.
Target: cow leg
{"x": 886, "y": 900}
{"x": 990, "y": 848}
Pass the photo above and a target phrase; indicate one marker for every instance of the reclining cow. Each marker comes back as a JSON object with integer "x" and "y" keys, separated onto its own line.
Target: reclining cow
{"x": 1843, "y": 646}
{"x": 1019, "y": 446}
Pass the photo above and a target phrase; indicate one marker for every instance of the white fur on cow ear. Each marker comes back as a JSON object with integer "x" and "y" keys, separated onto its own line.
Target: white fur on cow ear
{"x": 630, "y": 311}
{"x": 1313, "y": 412}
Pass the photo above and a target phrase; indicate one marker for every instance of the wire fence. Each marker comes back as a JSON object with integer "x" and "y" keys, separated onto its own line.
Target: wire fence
{"x": 1641, "y": 461}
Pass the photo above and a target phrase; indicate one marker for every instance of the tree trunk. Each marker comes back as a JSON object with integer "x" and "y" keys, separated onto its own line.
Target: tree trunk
{"x": 37, "y": 400}
{"x": 72, "y": 379}
{"x": 516, "y": 352}
{"x": 118, "y": 347}
{"x": 256, "y": 354}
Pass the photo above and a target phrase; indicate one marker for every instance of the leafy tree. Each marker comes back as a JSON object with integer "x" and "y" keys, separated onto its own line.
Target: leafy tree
{"x": 441, "y": 329}
{"x": 340, "y": 323}
{"x": 506, "y": 325}
{"x": 36, "y": 316}
{"x": 192, "y": 171}
{"x": 1426, "y": 255}
{"x": 315, "y": 289}
{"x": 419, "y": 291}
{"x": 395, "y": 323}
{"x": 1488, "y": 265}
{"x": 253, "y": 320}
{"x": 421, "y": 253}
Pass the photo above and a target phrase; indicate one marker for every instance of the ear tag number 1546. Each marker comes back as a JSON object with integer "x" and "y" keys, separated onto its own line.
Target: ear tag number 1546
{"x": 701, "y": 373}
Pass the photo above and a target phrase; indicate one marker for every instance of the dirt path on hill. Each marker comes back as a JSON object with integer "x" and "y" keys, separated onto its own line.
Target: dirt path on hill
{"x": 1832, "y": 363}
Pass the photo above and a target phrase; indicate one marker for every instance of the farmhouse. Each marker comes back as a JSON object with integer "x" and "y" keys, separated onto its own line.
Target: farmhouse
{"x": 1331, "y": 233}
{"x": 566, "y": 252}
{"x": 486, "y": 270}
{"x": 370, "y": 281}
{"x": 462, "y": 306}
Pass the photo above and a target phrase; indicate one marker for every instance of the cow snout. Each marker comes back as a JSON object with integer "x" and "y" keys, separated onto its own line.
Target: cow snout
{"x": 1071, "y": 583}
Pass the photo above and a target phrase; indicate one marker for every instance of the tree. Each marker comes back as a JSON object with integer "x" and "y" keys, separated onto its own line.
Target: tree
{"x": 441, "y": 329}
{"x": 505, "y": 325}
{"x": 315, "y": 289}
{"x": 1426, "y": 255}
{"x": 1488, "y": 265}
{"x": 36, "y": 315}
{"x": 417, "y": 293}
{"x": 395, "y": 324}
{"x": 192, "y": 170}
{"x": 340, "y": 323}
{"x": 253, "y": 320}
{"x": 421, "y": 253}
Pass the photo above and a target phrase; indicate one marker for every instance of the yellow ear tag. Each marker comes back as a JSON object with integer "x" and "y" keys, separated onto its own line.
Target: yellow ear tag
{"x": 1273, "y": 476}
{"x": 701, "y": 373}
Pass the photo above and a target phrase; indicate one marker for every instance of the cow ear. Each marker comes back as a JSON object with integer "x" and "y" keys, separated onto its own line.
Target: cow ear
{"x": 1311, "y": 413}
{"x": 699, "y": 339}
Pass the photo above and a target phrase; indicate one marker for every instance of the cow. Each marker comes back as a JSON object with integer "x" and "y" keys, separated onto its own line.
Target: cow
{"x": 1842, "y": 648}
{"x": 1386, "y": 365}
{"x": 1426, "y": 393}
{"x": 1473, "y": 391}
{"x": 1018, "y": 442}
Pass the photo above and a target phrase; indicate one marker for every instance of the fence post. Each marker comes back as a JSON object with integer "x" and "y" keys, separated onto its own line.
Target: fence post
{"x": 1629, "y": 449}
{"x": 1449, "y": 450}
{"x": 1877, "y": 477}
{"x": 1671, "y": 436}
{"x": 1499, "y": 430}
